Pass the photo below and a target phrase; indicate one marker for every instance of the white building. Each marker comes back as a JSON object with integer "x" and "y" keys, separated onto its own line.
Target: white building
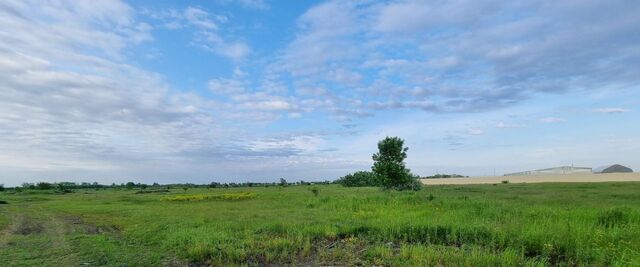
{"x": 554, "y": 171}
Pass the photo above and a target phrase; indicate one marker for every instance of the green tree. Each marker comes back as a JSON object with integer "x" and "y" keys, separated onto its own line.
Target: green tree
{"x": 43, "y": 186}
{"x": 389, "y": 165}
{"x": 130, "y": 185}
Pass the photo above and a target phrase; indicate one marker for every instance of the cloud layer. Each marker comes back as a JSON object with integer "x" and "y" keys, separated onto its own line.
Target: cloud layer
{"x": 76, "y": 101}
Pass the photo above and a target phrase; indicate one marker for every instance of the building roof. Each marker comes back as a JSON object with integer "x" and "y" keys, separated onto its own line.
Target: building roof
{"x": 616, "y": 168}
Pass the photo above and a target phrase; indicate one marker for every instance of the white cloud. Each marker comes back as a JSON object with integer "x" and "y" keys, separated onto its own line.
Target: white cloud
{"x": 255, "y": 4}
{"x": 502, "y": 125}
{"x": 461, "y": 55}
{"x": 270, "y": 105}
{"x": 234, "y": 50}
{"x": 227, "y": 86}
{"x": 475, "y": 131}
{"x": 199, "y": 18}
{"x": 71, "y": 106}
{"x": 207, "y": 30}
{"x": 610, "y": 110}
{"x": 552, "y": 120}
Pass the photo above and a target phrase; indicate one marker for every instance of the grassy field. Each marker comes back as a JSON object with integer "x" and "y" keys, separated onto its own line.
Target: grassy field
{"x": 456, "y": 225}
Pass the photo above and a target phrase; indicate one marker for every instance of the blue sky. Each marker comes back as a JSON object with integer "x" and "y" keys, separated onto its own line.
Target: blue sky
{"x": 254, "y": 90}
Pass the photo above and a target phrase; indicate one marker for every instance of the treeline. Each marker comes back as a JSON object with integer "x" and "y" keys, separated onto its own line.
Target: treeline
{"x": 66, "y": 186}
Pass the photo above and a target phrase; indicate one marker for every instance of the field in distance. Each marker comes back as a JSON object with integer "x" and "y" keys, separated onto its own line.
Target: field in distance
{"x": 560, "y": 178}
{"x": 452, "y": 225}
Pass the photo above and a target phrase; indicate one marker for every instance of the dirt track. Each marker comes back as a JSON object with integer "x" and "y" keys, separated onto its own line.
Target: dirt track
{"x": 573, "y": 178}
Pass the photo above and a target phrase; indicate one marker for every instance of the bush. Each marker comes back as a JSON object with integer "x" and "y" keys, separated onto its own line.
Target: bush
{"x": 414, "y": 184}
{"x": 357, "y": 179}
{"x": 1, "y": 187}
{"x": 2, "y": 202}
{"x": 505, "y": 181}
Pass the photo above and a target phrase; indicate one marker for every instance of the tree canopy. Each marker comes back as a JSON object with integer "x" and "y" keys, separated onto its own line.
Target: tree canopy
{"x": 389, "y": 165}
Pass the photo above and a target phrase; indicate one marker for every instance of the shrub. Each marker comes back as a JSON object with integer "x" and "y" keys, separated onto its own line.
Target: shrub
{"x": 1, "y": 187}
{"x": 3, "y": 202}
{"x": 413, "y": 184}
{"x": 505, "y": 181}
{"x": 361, "y": 178}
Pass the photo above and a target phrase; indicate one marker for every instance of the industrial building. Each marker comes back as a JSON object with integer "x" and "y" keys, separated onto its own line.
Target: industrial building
{"x": 615, "y": 168}
{"x": 554, "y": 171}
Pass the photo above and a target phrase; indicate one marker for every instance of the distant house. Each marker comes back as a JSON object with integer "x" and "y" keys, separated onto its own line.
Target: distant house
{"x": 554, "y": 171}
{"x": 615, "y": 168}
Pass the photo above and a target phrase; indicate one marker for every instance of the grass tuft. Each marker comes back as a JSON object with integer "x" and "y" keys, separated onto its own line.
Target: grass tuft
{"x": 612, "y": 218}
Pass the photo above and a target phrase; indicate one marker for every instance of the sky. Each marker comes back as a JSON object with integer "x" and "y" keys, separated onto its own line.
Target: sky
{"x": 255, "y": 90}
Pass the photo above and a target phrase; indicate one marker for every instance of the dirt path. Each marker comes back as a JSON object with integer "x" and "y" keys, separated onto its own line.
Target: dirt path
{"x": 38, "y": 238}
{"x": 573, "y": 178}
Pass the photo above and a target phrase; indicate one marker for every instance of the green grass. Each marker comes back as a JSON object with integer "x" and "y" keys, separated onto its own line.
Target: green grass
{"x": 474, "y": 225}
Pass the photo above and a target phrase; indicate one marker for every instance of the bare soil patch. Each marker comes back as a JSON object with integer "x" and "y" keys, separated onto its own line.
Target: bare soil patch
{"x": 90, "y": 228}
{"x": 26, "y": 226}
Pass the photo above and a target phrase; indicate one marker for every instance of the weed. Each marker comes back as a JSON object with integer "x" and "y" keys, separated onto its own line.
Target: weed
{"x": 315, "y": 191}
{"x": 430, "y": 197}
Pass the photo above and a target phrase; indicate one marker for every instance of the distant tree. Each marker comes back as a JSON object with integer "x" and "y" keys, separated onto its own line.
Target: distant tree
{"x": 43, "y": 186}
{"x": 143, "y": 186}
{"x": 156, "y": 184}
{"x": 283, "y": 182}
{"x": 130, "y": 185}
{"x": 185, "y": 189}
{"x": 28, "y": 186}
{"x": 389, "y": 165}
{"x": 1, "y": 187}
{"x": 360, "y": 178}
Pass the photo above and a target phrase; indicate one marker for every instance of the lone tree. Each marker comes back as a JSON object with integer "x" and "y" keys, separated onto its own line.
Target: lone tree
{"x": 389, "y": 165}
